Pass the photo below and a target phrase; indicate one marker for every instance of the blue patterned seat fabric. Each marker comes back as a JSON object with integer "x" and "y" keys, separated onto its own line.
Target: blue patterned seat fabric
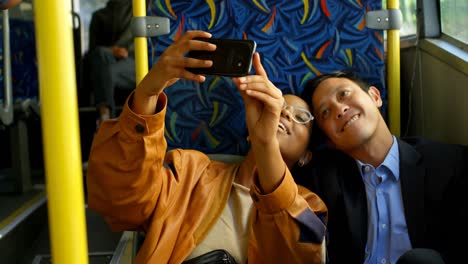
{"x": 23, "y": 60}
{"x": 297, "y": 40}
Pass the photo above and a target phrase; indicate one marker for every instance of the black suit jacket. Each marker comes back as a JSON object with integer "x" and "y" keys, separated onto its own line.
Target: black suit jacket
{"x": 434, "y": 187}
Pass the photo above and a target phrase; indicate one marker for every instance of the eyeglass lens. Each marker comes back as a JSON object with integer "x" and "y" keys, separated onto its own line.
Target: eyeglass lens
{"x": 298, "y": 114}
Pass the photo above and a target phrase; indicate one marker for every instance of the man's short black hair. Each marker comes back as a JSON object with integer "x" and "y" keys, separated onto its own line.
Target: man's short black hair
{"x": 319, "y": 139}
{"x": 312, "y": 84}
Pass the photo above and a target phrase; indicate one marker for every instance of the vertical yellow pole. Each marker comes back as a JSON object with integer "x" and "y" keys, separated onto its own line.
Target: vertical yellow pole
{"x": 59, "y": 114}
{"x": 141, "y": 45}
{"x": 141, "y": 68}
{"x": 393, "y": 74}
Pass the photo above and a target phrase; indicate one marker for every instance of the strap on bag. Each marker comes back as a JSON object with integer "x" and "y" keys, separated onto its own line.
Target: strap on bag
{"x": 212, "y": 257}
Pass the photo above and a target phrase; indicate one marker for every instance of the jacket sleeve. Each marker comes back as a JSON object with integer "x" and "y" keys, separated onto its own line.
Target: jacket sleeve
{"x": 288, "y": 225}
{"x": 128, "y": 179}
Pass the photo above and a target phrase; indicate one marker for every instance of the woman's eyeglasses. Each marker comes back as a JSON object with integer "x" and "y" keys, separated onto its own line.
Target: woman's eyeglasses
{"x": 299, "y": 115}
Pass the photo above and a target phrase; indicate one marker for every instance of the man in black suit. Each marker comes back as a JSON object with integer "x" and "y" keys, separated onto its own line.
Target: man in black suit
{"x": 390, "y": 200}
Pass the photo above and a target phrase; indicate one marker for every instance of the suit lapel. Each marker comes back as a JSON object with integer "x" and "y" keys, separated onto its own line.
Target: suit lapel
{"x": 355, "y": 204}
{"x": 412, "y": 190}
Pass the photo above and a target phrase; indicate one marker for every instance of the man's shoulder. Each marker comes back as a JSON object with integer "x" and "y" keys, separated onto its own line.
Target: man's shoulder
{"x": 433, "y": 151}
{"x": 426, "y": 144}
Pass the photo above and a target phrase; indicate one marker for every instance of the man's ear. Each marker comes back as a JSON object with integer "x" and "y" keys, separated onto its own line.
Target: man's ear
{"x": 374, "y": 93}
{"x": 305, "y": 158}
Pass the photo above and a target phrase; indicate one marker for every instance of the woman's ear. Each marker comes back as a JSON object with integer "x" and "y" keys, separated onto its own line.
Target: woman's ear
{"x": 305, "y": 158}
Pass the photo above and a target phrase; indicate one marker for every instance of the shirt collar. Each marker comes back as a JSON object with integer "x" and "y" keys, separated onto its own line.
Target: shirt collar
{"x": 391, "y": 161}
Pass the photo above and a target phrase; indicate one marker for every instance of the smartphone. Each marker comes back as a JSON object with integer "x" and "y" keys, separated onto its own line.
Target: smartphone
{"x": 232, "y": 57}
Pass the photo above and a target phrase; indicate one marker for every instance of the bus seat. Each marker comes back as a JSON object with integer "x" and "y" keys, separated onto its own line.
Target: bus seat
{"x": 19, "y": 145}
{"x": 23, "y": 60}
{"x": 297, "y": 40}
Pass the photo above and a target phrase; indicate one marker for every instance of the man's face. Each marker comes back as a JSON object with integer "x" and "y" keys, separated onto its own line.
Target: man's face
{"x": 348, "y": 115}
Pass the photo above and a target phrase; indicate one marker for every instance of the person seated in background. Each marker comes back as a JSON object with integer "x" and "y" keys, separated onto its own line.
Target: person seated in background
{"x": 190, "y": 206}
{"x": 390, "y": 200}
{"x": 110, "y": 60}
{"x": 5, "y": 4}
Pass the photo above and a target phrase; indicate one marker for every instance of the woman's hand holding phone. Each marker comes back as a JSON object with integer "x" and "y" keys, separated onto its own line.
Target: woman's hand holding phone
{"x": 232, "y": 57}
{"x": 170, "y": 67}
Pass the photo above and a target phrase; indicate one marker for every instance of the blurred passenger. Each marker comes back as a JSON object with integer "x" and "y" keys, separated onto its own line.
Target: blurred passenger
{"x": 390, "y": 200}
{"x": 110, "y": 60}
{"x": 5, "y": 4}
{"x": 189, "y": 206}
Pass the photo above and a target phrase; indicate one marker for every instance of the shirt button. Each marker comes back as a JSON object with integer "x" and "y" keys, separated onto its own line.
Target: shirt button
{"x": 140, "y": 129}
{"x": 379, "y": 192}
{"x": 366, "y": 169}
{"x": 384, "y": 226}
{"x": 383, "y": 261}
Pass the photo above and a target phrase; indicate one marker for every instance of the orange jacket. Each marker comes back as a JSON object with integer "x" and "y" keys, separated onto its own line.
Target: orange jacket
{"x": 176, "y": 196}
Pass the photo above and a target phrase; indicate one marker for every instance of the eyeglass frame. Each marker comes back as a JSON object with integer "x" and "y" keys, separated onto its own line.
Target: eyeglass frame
{"x": 300, "y": 109}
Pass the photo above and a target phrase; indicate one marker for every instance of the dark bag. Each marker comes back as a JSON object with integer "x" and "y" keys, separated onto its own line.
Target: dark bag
{"x": 212, "y": 257}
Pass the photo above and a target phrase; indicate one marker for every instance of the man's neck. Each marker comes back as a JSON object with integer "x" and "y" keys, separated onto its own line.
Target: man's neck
{"x": 374, "y": 150}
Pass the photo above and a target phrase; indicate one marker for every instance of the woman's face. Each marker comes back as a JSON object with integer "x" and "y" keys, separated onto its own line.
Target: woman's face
{"x": 294, "y": 137}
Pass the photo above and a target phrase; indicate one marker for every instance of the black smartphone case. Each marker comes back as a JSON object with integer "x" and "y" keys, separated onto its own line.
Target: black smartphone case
{"x": 232, "y": 57}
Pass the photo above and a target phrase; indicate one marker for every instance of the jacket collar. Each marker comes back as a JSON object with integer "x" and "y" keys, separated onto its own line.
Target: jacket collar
{"x": 412, "y": 179}
{"x": 412, "y": 188}
{"x": 356, "y": 206}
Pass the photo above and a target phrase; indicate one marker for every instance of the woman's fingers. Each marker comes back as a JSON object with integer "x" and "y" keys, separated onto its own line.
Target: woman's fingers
{"x": 196, "y": 63}
{"x": 189, "y": 42}
{"x": 259, "y": 84}
{"x": 183, "y": 45}
{"x": 261, "y": 89}
{"x": 258, "y": 65}
{"x": 172, "y": 64}
{"x": 265, "y": 98}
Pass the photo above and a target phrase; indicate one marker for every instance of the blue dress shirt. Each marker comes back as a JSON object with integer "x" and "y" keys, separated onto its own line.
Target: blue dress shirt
{"x": 387, "y": 234}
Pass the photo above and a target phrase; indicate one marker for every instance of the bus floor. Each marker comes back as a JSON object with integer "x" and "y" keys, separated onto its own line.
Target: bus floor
{"x": 102, "y": 242}
{"x": 24, "y": 230}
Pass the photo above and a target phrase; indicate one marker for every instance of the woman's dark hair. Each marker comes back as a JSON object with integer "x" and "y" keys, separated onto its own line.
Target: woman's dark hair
{"x": 319, "y": 139}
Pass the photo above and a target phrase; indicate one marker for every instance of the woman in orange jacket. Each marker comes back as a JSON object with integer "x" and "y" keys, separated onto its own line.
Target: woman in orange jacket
{"x": 191, "y": 207}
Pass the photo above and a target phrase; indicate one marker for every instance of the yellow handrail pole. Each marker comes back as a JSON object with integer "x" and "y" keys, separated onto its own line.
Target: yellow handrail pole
{"x": 393, "y": 74}
{"x": 141, "y": 65}
{"x": 59, "y": 114}
{"x": 141, "y": 44}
